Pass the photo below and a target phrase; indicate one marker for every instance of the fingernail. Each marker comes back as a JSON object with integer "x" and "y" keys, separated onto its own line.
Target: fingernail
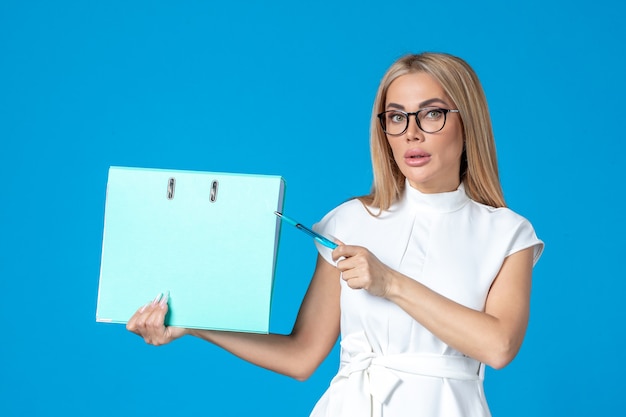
{"x": 142, "y": 309}
{"x": 157, "y": 299}
{"x": 163, "y": 302}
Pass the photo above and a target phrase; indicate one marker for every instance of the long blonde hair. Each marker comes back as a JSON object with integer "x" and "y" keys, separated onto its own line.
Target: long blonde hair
{"x": 479, "y": 167}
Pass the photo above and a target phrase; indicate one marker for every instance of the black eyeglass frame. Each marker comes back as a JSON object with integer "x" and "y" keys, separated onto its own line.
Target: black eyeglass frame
{"x": 417, "y": 120}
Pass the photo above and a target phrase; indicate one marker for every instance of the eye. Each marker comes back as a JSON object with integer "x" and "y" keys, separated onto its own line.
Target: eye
{"x": 396, "y": 117}
{"x": 432, "y": 114}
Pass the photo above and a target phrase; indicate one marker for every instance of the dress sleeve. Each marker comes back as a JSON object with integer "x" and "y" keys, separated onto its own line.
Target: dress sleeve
{"x": 326, "y": 227}
{"x": 525, "y": 237}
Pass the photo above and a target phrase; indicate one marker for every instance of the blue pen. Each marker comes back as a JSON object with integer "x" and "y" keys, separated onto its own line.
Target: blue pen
{"x": 321, "y": 239}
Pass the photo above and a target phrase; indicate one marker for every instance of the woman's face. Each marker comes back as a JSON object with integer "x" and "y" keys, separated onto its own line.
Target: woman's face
{"x": 430, "y": 161}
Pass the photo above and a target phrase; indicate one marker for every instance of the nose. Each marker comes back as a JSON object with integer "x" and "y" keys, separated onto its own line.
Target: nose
{"x": 413, "y": 132}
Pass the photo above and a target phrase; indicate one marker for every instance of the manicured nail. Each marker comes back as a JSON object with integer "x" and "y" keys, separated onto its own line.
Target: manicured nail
{"x": 157, "y": 299}
{"x": 142, "y": 309}
{"x": 163, "y": 301}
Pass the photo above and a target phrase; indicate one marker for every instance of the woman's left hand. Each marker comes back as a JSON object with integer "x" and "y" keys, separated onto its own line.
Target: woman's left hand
{"x": 360, "y": 269}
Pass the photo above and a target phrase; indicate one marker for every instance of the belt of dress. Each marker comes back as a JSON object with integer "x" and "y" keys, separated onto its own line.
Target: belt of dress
{"x": 367, "y": 380}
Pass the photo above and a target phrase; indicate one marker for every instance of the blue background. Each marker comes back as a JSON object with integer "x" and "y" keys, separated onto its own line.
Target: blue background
{"x": 286, "y": 88}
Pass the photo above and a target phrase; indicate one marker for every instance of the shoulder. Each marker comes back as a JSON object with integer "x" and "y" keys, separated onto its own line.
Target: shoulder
{"x": 350, "y": 208}
{"x": 349, "y": 212}
{"x": 498, "y": 215}
{"x": 506, "y": 226}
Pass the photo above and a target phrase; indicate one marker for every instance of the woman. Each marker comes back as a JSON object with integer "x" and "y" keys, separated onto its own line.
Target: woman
{"x": 434, "y": 278}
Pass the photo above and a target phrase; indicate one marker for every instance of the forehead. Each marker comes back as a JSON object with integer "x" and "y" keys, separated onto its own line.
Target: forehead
{"x": 415, "y": 88}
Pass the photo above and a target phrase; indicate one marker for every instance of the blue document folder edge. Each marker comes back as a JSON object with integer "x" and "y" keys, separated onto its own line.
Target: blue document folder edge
{"x": 209, "y": 238}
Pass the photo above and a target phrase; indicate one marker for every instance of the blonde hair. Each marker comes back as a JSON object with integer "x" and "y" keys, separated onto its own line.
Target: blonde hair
{"x": 479, "y": 167}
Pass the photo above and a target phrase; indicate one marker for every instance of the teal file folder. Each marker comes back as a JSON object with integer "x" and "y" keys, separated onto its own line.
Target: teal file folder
{"x": 208, "y": 238}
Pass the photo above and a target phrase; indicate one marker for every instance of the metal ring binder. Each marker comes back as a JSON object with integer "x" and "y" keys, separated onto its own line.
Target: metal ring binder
{"x": 213, "y": 195}
{"x": 171, "y": 184}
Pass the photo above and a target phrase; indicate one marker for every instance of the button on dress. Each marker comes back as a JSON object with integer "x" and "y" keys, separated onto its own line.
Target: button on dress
{"x": 391, "y": 365}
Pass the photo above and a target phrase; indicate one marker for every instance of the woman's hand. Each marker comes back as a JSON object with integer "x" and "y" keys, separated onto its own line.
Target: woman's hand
{"x": 360, "y": 269}
{"x": 149, "y": 323}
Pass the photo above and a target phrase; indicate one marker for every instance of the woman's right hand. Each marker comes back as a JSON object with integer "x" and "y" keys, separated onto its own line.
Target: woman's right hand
{"x": 149, "y": 323}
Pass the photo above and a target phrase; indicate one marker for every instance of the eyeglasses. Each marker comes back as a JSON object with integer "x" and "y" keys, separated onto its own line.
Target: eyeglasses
{"x": 428, "y": 119}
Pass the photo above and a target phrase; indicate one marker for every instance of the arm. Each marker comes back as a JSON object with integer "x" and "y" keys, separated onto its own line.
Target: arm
{"x": 492, "y": 337}
{"x": 297, "y": 354}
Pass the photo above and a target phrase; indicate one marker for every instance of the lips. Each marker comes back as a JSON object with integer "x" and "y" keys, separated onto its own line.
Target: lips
{"x": 415, "y": 153}
{"x": 416, "y": 157}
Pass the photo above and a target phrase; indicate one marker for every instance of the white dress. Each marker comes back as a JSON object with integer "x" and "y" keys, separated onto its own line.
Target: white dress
{"x": 391, "y": 365}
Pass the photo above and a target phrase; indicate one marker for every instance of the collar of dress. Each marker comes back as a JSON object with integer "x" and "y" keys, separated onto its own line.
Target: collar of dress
{"x": 438, "y": 202}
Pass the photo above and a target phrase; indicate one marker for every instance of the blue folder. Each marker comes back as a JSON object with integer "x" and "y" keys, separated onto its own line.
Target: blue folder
{"x": 208, "y": 238}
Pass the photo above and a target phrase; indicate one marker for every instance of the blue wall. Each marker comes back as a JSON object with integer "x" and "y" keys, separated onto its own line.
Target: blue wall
{"x": 85, "y": 85}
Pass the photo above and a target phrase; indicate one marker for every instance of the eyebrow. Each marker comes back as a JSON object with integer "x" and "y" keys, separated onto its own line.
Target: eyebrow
{"x": 423, "y": 104}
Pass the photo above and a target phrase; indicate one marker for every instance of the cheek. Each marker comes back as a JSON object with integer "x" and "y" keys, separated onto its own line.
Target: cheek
{"x": 455, "y": 140}
{"x": 453, "y": 148}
